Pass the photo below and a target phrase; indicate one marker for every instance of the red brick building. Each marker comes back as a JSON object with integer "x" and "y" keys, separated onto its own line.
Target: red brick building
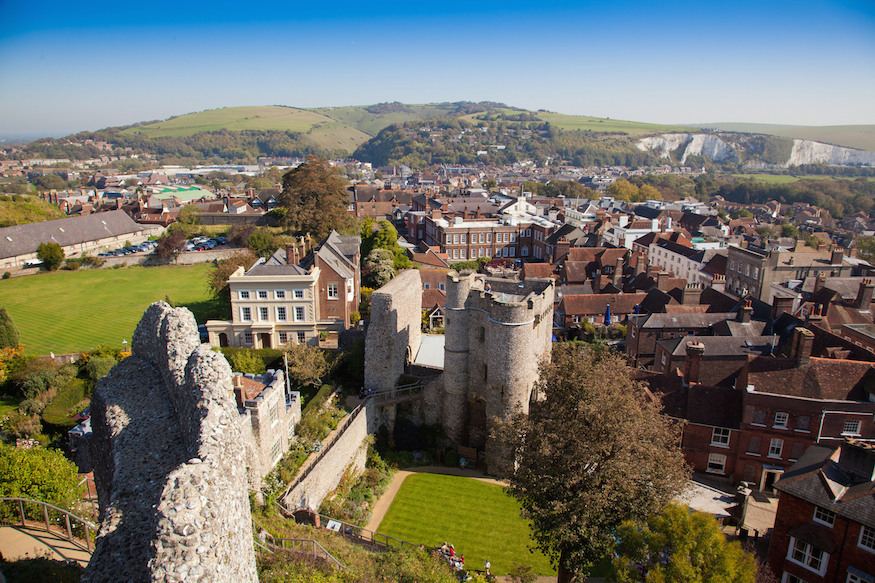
{"x": 825, "y": 523}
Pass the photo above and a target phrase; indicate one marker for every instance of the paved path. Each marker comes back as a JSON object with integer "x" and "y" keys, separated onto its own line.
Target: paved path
{"x": 17, "y": 542}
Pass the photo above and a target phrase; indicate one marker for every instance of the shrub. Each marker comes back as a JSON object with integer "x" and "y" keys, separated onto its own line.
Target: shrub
{"x": 247, "y": 362}
{"x": 72, "y": 264}
{"x": 38, "y": 473}
{"x": 6, "y": 275}
{"x": 451, "y": 458}
{"x": 98, "y": 366}
{"x": 51, "y": 254}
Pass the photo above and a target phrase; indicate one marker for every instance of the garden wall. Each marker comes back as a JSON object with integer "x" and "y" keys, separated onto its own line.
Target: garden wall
{"x": 322, "y": 474}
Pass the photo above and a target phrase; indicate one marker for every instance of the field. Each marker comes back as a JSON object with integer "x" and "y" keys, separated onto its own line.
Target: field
{"x": 72, "y": 311}
{"x": 786, "y": 179}
{"x": 857, "y": 136}
{"x": 597, "y": 124}
{"x": 479, "y": 519}
{"x": 268, "y": 117}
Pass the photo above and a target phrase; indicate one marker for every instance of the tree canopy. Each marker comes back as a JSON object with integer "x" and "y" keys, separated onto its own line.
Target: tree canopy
{"x": 591, "y": 453}
{"x": 9, "y": 336}
{"x": 680, "y": 546}
{"x": 51, "y": 254}
{"x": 315, "y": 198}
{"x": 222, "y": 271}
{"x": 170, "y": 245}
{"x": 307, "y": 364}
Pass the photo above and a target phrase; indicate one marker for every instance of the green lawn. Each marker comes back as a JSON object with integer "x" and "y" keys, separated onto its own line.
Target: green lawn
{"x": 479, "y": 519}
{"x": 72, "y": 311}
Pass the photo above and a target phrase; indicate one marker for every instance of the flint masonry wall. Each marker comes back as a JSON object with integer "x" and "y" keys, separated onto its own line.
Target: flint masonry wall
{"x": 169, "y": 462}
{"x": 396, "y": 321}
{"x": 323, "y": 473}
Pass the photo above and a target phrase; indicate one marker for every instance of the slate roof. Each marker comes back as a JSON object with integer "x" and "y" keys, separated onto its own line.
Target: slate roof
{"x": 685, "y": 320}
{"x": 721, "y": 346}
{"x": 24, "y": 239}
{"x": 822, "y": 477}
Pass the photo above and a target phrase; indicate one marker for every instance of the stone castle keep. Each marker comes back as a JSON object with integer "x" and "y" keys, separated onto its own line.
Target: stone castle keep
{"x": 497, "y": 333}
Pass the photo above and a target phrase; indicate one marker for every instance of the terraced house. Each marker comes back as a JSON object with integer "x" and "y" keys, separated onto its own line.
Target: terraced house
{"x": 296, "y": 296}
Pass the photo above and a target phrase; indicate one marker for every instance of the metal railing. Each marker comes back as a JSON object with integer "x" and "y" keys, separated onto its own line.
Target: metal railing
{"x": 376, "y": 540}
{"x": 401, "y": 393}
{"x": 307, "y": 546}
{"x": 75, "y": 529}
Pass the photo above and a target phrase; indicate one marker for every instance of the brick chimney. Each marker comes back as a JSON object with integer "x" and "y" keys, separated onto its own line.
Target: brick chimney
{"x": 819, "y": 282}
{"x": 692, "y": 294}
{"x": 292, "y": 254}
{"x": 745, "y": 312}
{"x": 693, "y": 364}
{"x": 719, "y": 282}
{"x": 662, "y": 281}
{"x": 803, "y": 340}
{"x": 781, "y": 304}
{"x": 238, "y": 391}
{"x": 837, "y": 255}
{"x": 618, "y": 273}
{"x": 864, "y": 295}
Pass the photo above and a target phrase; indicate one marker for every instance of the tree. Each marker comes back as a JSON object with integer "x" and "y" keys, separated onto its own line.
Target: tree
{"x": 315, "y": 198}
{"x": 189, "y": 215}
{"x": 222, "y": 271}
{"x": 866, "y": 248}
{"x": 680, "y": 546}
{"x": 51, "y": 254}
{"x": 50, "y": 182}
{"x": 307, "y": 364}
{"x": 741, "y": 214}
{"x": 591, "y": 453}
{"x": 9, "y": 336}
{"x": 39, "y": 474}
{"x": 262, "y": 243}
{"x": 170, "y": 245}
{"x": 788, "y": 230}
{"x": 378, "y": 268}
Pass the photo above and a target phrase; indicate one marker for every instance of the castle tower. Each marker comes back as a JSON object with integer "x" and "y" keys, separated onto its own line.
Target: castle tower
{"x": 497, "y": 333}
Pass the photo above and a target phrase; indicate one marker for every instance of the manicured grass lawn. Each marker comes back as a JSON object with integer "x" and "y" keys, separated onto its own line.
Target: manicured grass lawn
{"x": 73, "y": 311}
{"x": 479, "y": 519}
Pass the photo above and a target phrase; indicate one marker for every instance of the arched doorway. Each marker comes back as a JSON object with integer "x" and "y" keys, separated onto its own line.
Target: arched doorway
{"x": 223, "y": 339}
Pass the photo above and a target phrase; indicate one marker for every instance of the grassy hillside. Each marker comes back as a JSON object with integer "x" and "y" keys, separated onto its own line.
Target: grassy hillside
{"x": 596, "y": 124}
{"x": 268, "y": 117}
{"x": 20, "y": 209}
{"x": 856, "y": 136}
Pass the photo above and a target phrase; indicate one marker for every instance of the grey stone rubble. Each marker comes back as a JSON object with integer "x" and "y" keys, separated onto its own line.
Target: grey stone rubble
{"x": 169, "y": 462}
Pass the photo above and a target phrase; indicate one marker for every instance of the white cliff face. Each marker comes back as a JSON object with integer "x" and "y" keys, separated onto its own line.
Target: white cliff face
{"x": 708, "y": 145}
{"x": 721, "y": 147}
{"x": 808, "y": 152}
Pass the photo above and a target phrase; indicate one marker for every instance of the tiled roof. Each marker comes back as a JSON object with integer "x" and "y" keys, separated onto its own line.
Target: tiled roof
{"x": 595, "y": 304}
{"x": 820, "y": 378}
{"x": 538, "y": 270}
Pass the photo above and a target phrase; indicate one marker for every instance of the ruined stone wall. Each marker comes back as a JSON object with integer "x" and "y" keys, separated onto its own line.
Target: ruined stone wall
{"x": 394, "y": 333}
{"x": 321, "y": 475}
{"x": 169, "y": 462}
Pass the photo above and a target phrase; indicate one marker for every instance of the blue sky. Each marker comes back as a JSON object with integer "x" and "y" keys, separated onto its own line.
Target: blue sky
{"x": 69, "y": 66}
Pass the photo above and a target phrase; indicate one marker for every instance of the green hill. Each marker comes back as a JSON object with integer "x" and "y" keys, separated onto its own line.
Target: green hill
{"x": 268, "y": 117}
{"x": 853, "y": 136}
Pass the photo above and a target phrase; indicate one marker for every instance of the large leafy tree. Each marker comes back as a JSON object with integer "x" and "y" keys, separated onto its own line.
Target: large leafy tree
{"x": 222, "y": 271}
{"x": 591, "y": 453}
{"x": 315, "y": 198}
{"x": 9, "y": 336}
{"x": 680, "y": 546}
{"x": 51, "y": 254}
